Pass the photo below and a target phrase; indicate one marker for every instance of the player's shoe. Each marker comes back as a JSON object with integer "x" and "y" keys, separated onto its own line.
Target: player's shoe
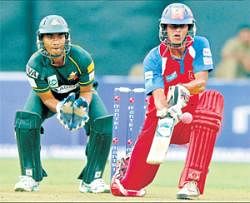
{"x": 189, "y": 191}
{"x": 26, "y": 184}
{"x": 96, "y": 186}
{"x": 117, "y": 189}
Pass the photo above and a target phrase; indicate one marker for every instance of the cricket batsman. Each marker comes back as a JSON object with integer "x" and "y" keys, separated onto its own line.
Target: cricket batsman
{"x": 62, "y": 79}
{"x": 175, "y": 73}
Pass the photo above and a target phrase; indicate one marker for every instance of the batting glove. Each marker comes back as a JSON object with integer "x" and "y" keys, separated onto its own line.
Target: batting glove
{"x": 178, "y": 94}
{"x": 175, "y": 112}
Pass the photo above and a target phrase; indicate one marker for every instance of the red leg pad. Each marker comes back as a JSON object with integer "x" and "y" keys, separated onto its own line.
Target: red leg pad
{"x": 139, "y": 173}
{"x": 204, "y": 129}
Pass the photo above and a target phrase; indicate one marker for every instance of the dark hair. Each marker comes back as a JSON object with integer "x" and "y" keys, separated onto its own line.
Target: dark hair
{"x": 244, "y": 26}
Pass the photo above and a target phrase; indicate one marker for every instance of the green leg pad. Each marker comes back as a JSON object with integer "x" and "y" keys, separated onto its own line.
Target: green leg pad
{"x": 27, "y": 127}
{"x": 97, "y": 149}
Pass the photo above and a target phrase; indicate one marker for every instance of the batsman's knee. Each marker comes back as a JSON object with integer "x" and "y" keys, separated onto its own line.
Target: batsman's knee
{"x": 210, "y": 109}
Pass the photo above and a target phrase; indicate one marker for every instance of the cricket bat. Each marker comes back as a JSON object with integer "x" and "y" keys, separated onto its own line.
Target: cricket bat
{"x": 162, "y": 137}
{"x": 161, "y": 140}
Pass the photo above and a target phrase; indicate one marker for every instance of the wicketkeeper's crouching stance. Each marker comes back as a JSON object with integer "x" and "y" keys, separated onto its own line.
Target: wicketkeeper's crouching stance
{"x": 176, "y": 73}
{"x": 62, "y": 78}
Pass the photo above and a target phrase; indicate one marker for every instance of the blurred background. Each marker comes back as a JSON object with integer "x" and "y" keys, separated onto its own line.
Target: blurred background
{"x": 119, "y": 34}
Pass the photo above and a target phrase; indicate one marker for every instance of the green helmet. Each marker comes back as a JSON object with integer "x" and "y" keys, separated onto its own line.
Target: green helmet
{"x": 49, "y": 25}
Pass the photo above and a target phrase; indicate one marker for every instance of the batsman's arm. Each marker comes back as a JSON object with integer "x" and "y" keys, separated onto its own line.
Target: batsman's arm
{"x": 160, "y": 99}
{"x": 197, "y": 85}
{"x": 49, "y": 100}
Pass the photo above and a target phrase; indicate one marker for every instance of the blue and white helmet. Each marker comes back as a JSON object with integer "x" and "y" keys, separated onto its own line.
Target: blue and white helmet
{"x": 52, "y": 24}
{"x": 176, "y": 14}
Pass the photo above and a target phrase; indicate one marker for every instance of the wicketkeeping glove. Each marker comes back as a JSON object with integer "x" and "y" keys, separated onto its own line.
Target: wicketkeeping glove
{"x": 80, "y": 115}
{"x": 65, "y": 111}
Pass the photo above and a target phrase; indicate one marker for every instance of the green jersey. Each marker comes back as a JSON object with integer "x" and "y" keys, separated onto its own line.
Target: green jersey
{"x": 78, "y": 70}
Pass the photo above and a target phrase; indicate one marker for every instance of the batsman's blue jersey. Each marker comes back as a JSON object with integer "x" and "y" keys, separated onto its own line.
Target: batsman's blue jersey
{"x": 162, "y": 70}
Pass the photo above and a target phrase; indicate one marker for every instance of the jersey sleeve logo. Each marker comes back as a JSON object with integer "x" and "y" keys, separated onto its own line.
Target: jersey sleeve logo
{"x": 148, "y": 75}
{"x": 31, "y": 72}
{"x": 207, "y": 60}
{"x": 52, "y": 81}
{"x": 207, "y": 52}
{"x": 73, "y": 76}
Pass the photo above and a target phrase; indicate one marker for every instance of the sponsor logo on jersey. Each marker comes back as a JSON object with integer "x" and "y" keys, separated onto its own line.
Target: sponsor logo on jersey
{"x": 52, "y": 81}
{"x": 207, "y": 60}
{"x": 148, "y": 75}
{"x": 171, "y": 76}
{"x": 31, "y": 72}
{"x": 73, "y": 76}
{"x": 207, "y": 52}
{"x": 65, "y": 88}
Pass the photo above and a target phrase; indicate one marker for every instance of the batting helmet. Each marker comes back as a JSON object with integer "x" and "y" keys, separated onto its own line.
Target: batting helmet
{"x": 176, "y": 14}
{"x": 49, "y": 25}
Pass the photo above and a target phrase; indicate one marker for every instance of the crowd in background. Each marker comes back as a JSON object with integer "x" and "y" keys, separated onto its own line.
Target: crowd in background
{"x": 235, "y": 56}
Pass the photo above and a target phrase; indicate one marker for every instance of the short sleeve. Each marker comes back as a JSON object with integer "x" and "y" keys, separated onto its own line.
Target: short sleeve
{"x": 203, "y": 57}
{"x": 153, "y": 71}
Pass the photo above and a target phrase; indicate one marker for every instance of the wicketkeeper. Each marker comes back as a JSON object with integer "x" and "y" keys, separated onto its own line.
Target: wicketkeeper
{"x": 176, "y": 73}
{"x": 62, "y": 79}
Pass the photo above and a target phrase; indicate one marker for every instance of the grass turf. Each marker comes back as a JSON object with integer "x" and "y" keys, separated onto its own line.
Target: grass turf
{"x": 228, "y": 182}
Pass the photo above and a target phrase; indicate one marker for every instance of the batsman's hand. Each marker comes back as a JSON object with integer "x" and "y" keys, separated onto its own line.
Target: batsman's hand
{"x": 177, "y": 98}
{"x": 175, "y": 112}
{"x": 65, "y": 111}
{"x": 178, "y": 95}
{"x": 80, "y": 114}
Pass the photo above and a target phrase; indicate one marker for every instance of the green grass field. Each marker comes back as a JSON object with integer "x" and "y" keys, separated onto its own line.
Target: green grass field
{"x": 228, "y": 182}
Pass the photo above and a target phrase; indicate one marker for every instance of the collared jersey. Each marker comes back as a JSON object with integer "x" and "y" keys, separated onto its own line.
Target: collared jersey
{"x": 162, "y": 70}
{"x": 78, "y": 70}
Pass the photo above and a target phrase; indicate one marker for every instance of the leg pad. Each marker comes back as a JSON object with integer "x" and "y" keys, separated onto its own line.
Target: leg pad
{"x": 97, "y": 149}
{"x": 27, "y": 128}
{"x": 206, "y": 123}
